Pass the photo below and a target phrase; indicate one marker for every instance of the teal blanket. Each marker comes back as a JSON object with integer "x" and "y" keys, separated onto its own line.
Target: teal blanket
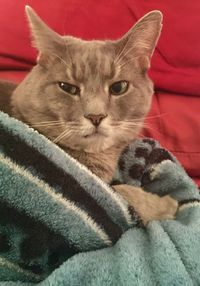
{"x": 61, "y": 225}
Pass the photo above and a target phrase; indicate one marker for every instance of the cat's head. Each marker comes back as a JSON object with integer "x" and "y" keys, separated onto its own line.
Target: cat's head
{"x": 89, "y": 95}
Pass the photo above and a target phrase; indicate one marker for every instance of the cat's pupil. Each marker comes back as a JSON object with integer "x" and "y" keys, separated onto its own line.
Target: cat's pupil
{"x": 119, "y": 87}
{"x": 69, "y": 88}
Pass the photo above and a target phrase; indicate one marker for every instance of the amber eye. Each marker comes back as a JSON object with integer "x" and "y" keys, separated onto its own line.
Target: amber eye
{"x": 69, "y": 88}
{"x": 119, "y": 87}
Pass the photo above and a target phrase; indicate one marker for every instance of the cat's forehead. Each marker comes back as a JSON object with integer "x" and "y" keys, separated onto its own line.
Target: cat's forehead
{"x": 90, "y": 59}
{"x": 93, "y": 47}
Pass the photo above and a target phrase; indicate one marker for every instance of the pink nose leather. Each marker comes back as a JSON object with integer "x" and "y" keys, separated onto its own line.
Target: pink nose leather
{"x": 95, "y": 118}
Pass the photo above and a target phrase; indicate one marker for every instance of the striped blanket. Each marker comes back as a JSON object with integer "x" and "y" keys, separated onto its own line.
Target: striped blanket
{"x": 61, "y": 225}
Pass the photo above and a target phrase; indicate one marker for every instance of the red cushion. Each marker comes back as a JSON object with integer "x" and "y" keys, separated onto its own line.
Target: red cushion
{"x": 175, "y": 64}
{"x": 174, "y": 120}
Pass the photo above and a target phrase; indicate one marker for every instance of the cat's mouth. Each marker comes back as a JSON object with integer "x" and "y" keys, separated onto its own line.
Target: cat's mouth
{"x": 94, "y": 134}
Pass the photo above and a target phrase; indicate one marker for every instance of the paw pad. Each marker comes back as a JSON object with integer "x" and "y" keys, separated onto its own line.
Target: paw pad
{"x": 146, "y": 178}
{"x": 158, "y": 155}
{"x": 136, "y": 171}
{"x": 142, "y": 152}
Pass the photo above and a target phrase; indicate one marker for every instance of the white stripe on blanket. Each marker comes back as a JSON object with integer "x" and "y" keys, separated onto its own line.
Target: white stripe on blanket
{"x": 115, "y": 196}
{"x": 59, "y": 198}
{"x": 14, "y": 267}
{"x": 189, "y": 205}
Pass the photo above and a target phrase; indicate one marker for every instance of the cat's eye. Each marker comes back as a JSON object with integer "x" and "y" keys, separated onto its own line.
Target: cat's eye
{"x": 119, "y": 87}
{"x": 69, "y": 88}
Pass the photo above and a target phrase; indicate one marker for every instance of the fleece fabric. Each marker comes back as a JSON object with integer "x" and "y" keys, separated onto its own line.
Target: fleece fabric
{"x": 61, "y": 225}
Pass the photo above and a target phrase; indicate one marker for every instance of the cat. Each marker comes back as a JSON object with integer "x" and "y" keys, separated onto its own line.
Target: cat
{"x": 91, "y": 98}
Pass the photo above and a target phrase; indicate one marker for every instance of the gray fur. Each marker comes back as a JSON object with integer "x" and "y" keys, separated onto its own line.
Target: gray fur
{"x": 92, "y": 66}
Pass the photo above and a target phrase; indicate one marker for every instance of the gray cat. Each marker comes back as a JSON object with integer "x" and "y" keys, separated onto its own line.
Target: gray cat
{"x": 91, "y": 98}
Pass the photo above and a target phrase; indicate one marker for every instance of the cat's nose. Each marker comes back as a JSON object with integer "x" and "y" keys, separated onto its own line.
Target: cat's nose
{"x": 95, "y": 118}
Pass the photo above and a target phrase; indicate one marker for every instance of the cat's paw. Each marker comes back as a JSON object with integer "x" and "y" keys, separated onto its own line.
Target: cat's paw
{"x": 139, "y": 159}
{"x": 168, "y": 210}
{"x": 157, "y": 158}
{"x": 149, "y": 206}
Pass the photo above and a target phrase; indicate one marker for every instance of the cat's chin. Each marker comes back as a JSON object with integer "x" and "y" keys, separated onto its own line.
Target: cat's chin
{"x": 93, "y": 136}
{"x": 94, "y": 143}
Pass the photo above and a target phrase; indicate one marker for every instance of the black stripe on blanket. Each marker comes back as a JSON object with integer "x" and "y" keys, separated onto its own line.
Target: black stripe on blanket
{"x": 138, "y": 221}
{"x": 37, "y": 241}
{"x": 30, "y": 158}
{"x": 189, "y": 201}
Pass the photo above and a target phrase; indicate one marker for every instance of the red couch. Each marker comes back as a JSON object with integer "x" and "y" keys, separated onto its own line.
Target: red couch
{"x": 174, "y": 119}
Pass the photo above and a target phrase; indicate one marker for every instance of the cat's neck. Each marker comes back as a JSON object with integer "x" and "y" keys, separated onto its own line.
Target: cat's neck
{"x": 102, "y": 164}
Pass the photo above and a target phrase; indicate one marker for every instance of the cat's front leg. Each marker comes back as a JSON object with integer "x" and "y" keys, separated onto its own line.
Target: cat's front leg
{"x": 149, "y": 206}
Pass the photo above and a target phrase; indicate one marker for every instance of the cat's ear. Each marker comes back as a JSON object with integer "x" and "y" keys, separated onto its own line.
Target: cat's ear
{"x": 141, "y": 39}
{"x": 45, "y": 39}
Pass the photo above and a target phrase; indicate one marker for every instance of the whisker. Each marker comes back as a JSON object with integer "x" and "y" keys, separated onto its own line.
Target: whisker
{"x": 127, "y": 123}
{"x": 157, "y": 116}
{"x": 130, "y": 126}
{"x": 45, "y": 124}
{"x": 143, "y": 118}
{"x": 61, "y": 136}
{"x": 153, "y": 129}
{"x": 66, "y": 133}
{"x": 72, "y": 123}
{"x": 142, "y": 125}
{"x": 51, "y": 121}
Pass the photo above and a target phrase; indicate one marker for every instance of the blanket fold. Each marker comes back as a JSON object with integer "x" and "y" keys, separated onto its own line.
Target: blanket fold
{"x": 61, "y": 225}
